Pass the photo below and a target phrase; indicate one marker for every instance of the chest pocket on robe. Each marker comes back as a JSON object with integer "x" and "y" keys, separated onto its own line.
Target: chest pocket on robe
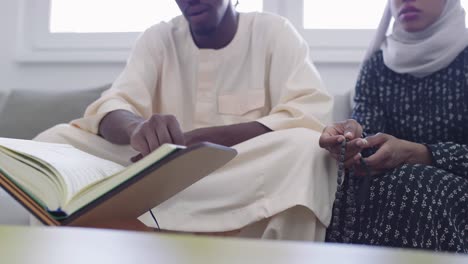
{"x": 242, "y": 107}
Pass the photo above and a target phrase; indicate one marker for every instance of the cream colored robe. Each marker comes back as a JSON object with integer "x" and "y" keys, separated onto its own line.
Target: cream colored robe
{"x": 281, "y": 179}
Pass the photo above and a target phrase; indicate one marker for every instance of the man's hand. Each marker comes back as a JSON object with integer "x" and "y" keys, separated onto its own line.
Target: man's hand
{"x": 123, "y": 127}
{"x": 152, "y": 133}
{"x": 333, "y": 135}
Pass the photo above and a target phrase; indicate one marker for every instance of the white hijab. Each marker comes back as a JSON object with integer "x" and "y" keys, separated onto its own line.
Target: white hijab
{"x": 425, "y": 52}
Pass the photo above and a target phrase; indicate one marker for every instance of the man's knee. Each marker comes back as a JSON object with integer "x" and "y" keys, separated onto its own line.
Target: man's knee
{"x": 55, "y": 133}
{"x": 295, "y": 223}
{"x": 301, "y": 138}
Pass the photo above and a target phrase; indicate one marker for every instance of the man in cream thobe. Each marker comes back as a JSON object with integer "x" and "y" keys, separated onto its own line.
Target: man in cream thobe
{"x": 281, "y": 184}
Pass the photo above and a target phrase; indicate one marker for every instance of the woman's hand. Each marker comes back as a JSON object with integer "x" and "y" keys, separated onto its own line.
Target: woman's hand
{"x": 392, "y": 153}
{"x": 333, "y": 135}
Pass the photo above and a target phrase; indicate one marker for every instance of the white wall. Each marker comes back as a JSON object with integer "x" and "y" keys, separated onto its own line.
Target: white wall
{"x": 55, "y": 76}
{"x": 8, "y": 17}
{"x": 14, "y": 75}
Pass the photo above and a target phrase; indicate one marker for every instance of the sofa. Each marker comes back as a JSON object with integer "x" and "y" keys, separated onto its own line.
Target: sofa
{"x": 26, "y": 112}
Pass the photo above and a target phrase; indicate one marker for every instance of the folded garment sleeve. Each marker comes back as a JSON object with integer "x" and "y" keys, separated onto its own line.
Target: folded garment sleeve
{"x": 135, "y": 87}
{"x": 298, "y": 96}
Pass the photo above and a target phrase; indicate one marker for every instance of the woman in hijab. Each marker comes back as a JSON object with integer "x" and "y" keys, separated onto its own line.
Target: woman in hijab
{"x": 404, "y": 155}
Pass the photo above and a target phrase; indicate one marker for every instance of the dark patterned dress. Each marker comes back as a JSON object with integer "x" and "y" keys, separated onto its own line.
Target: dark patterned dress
{"x": 413, "y": 206}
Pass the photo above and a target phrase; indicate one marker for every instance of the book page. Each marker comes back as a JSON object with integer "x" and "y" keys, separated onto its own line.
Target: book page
{"x": 78, "y": 169}
{"x": 89, "y": 194}
{"x": 40, "y": 188}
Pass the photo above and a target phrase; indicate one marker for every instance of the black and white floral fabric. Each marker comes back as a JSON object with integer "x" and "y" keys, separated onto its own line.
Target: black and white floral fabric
{"x": 413, "y": 206}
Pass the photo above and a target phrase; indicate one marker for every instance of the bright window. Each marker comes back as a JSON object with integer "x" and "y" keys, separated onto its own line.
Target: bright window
{"x": 100, "y": 16}
{"x": 105, "y": 30}
{"x": 345, "y": 14}
{"x": 342, "y": 14}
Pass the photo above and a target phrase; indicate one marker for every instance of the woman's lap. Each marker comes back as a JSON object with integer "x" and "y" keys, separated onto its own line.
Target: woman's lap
{"x": 413, "y": 206}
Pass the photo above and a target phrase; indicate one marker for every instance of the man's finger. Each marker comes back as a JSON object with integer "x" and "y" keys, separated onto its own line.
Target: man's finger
{"x": 330, "y": 141}
{"x": 152, "y": 139}
{"x": 175, "y": 132}
{"x": 163, "y": 135}
{"x": 140, "y": 144}
{"x": 352, "y": 129}
{"x": 136, "y": 158}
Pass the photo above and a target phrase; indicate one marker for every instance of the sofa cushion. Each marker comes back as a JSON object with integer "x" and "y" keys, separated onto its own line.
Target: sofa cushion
{"x": 342, "y": 106}
{"x": 27, "y": 112}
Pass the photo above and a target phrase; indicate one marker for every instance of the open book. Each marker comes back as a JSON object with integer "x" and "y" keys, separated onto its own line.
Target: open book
{"x": 62, "y": 185}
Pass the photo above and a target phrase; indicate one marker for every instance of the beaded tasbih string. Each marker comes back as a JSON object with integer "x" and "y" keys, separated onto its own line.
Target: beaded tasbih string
{"x": 351, "y": 203}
